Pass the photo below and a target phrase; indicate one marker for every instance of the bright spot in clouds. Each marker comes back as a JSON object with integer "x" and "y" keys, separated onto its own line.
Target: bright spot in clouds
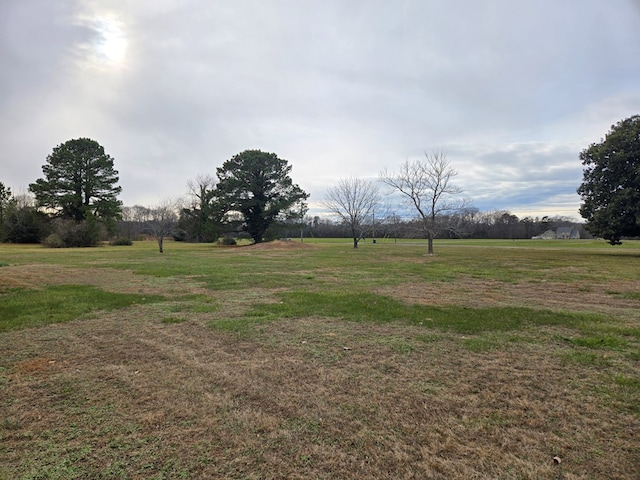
{"x": 108, "y": 48}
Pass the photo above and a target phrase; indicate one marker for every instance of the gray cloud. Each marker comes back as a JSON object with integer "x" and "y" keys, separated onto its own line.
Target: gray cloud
{"x": 512, "y": 91}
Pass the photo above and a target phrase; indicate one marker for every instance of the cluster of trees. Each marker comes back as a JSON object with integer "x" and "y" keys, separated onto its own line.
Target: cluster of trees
{"x": 20, "y": 220}
{"x": 76, "y": 202}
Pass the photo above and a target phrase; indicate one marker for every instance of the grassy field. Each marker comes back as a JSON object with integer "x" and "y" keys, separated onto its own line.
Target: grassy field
{"x": 314, "y": 360}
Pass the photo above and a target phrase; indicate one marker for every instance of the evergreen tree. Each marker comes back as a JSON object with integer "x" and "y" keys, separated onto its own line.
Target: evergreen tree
{"x": 610, "y": 189}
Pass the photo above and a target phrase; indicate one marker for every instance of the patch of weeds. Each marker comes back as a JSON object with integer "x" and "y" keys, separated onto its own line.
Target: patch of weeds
{"x": 10, "y": 424}
{"x": 61, "y": 303}
{"x": 428, "y": 338}
{"x": 493, "y": 419}
{"x": 58, "y": 463}
{"x": 633, "y": 355}
{"x": 304, "y": 425}
{"x": 480, "y": 344}
{"x": 198, "y": 303}
{"x": 402, "y": 347}
{"x": 518, "y": 339}
{"x": 241, "y": 325}
{"x": 628, "y": 392}
{"x": 171, "y": 320}
{"x": 431, "y": 387}
{"x": 599, "y": 342}
{"x": 196, "y": 306}
{"x": 628, "y": 382}
{"x": 627, "y": 295}
{"x": 633, "y": 332}
{"x": 204, "y": 307}
{"x": 175, "y": 308}
{"x": 117, "y": 469}
{"x": 586, "y": 358}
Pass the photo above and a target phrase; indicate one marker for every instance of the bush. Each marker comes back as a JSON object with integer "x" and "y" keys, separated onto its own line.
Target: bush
{"x": 26, "y": 225}
{"x": 180, "y": 235}
{"x": 53, "y": 241}
{"x": 121, "y": 241}
{"x": 227, "y": 241}
{"x": 68, "y": 233}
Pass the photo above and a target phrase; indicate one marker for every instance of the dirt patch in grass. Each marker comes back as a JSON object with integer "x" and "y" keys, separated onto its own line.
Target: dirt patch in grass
{"x": 34, "y": 365}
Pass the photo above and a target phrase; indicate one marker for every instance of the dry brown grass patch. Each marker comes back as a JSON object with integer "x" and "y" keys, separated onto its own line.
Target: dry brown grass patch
{"x": 292, "y": 402}
{"x": 292, "y": 244}
{"x": 37, "y": 276}
{"x": 491, "y": 293}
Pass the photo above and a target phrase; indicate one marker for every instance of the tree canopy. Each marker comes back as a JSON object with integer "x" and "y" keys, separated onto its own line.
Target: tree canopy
{"x": 257, "y": 185}
{"x": 610, "y": 189}
{"x": 79, "y": 180}
{"x": 6, "y": 203}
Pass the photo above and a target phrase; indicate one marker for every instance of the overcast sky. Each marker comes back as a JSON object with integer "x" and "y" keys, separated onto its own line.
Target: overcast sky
{"x": 510, "y": 90}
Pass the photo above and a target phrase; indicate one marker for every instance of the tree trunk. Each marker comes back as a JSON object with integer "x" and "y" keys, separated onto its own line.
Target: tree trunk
{"x": 355, "y": 242}
{"x": 430, "y": 243}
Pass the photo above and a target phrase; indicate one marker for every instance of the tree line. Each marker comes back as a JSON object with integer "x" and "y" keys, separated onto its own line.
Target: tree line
{"x": 252, "y": 194}
{"x": 469, "y": 223}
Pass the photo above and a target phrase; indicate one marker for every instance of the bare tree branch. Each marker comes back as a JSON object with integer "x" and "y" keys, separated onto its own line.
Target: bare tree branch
{"x": 427, "y": 187}
{"x": 354, "y": 201}
{"x": 162, "y": 220}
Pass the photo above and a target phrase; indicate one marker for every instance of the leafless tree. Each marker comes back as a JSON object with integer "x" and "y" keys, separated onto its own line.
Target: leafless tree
{"x": 427, "y": 186}
{"x": 201, "y": 219}
{"x": 354, "y": 201}
{"x": 162, "y": 220}
{"x": 202, "y": 191}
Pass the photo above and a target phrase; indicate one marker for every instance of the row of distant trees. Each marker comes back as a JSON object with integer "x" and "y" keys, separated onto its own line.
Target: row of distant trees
{"x": 469, "y": 223}
{"x": 76, "y": 202}
{"x": 142, "y": 222}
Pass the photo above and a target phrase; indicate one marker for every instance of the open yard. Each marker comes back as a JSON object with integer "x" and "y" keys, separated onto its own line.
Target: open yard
{"x": 316, "y": 361}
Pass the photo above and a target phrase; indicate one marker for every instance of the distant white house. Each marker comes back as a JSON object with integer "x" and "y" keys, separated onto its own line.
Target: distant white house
{"x": 563, "y": 233}
{"x": 567, "y": 233}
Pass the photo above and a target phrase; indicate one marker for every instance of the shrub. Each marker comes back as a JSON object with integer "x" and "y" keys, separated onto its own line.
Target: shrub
{"x": 180, "y": 235}
{"x": 227, "y": 241}
{"x": 121, "y": 241}
{"x": 53, "y": 241}
{"x": 68, "y": 233}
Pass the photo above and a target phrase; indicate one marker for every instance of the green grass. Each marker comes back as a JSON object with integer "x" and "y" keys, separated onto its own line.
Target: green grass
{"x": 170, "y": 320}
{"x": 600, "y": 342}
{"x": 320, "y": 361}
{"x": 590, "y": 358}
{"x": 61, "y": 303}
{"x": 369, "y": 307}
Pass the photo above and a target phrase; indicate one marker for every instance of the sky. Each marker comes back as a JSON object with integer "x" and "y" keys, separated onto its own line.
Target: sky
{"x": 511, "y": 91}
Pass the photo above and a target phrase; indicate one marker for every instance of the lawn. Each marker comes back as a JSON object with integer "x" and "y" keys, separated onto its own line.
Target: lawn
{"x": 314, "y": 360}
